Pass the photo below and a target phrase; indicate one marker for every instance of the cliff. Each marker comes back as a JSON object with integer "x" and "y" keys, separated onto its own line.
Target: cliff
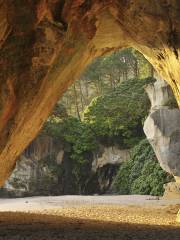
{"x": 163, "y": 132}
{"x": 45, "y": 168}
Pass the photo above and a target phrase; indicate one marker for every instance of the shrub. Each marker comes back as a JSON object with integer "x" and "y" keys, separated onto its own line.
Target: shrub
{"x": 141, "y": 174}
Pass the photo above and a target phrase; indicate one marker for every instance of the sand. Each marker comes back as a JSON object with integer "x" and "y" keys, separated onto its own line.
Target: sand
{"x": 89, "y": 217}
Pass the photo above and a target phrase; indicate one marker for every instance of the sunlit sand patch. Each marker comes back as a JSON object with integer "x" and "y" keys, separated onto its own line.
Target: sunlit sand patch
{"x": 109, "y": 213}
{"x": 101, "y": 222}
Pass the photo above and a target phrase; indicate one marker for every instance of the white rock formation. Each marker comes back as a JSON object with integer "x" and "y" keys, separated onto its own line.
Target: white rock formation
{"x": 162, "y": 127}
{"x": 159, "y": 94}
{"x": 29, "y": 170}
{"x": 110, "y": 155}
{"x": 20, "y": 178}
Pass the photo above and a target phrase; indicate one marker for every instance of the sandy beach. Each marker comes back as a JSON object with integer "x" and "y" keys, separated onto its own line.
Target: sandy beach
{"x": 54, "y": 202}
{"x": 89, "y": 217}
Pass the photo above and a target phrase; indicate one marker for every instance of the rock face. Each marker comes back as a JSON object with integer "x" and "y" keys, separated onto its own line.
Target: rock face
{"x": 46, "y": 44}
{"x": 162, "y": 128}
{"x": 105, "y": 165}
{"x": 19, "y": 182}
{"x": 34, "y": 175}
{"x": 110, "y": 155}
{"x": 159, "y": 94}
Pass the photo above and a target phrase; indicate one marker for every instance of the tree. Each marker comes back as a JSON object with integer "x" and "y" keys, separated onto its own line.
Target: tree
{"x": 120, "y": 113}
{"x": 103, "y": 75}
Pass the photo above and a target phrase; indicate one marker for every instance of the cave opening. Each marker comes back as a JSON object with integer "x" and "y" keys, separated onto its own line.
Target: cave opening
{"x": 95, "y": 132}
{"x": 57, "y": 49}
{"x": 83, "y": 152}
{"x": 45, "y": 46}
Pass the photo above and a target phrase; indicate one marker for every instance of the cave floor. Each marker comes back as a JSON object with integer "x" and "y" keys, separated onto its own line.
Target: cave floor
{"x": 78, "y": 217}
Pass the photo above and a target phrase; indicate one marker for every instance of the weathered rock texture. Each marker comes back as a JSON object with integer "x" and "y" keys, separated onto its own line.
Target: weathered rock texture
{"x": 34, "y": 175}
{"x": 162, "y": 127}
{"x": 163, "y": 131}
{"x": 110, "y": 155}
{"x": 46, "y": 44}
{"x": 159, "y": 94}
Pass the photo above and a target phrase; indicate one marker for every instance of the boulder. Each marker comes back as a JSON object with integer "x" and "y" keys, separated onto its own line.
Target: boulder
{"x": 162, "y": 128}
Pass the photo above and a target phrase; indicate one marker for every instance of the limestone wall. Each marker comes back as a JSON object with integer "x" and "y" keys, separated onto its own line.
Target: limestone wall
{"x": 162, "y": 127}
{"x": 33, "y": 176}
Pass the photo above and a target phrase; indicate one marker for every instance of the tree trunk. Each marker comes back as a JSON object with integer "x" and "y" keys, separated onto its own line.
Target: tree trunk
{"x": 76, "y": 102}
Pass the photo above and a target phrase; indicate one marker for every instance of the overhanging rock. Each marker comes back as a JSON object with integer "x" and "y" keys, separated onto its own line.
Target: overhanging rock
{"x": 45, "y": 45}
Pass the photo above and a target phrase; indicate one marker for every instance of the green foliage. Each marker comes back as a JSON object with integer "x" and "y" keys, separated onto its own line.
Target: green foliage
{"x": 116, "y": 117}
{"x": 59, "y": 111}
{"x": 72, "y": 131}
{"x": 121, "y": 112}
{"x": 79, "y": 143}
{"x": 145, "y": 69}
{"x": 141, "y": 174}
{"x": 105, "y": 74}
{"x": 117, "y": 67}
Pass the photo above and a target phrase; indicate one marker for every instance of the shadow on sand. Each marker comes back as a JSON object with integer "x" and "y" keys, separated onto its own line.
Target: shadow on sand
{"x": 26, "y": 226}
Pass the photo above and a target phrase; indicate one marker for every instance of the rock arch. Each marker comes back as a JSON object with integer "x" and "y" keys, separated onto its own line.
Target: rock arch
{"x": 46, "y": 44}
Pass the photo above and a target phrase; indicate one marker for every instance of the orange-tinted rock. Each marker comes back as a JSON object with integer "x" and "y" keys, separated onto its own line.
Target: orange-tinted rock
{"x": 45, "y": 45}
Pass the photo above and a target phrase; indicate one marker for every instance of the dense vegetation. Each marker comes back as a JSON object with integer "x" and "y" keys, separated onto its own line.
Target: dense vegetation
{"x": 142, "y": 174}
{"x": 112, "y": 118}
{"x": 118, "y": 115}
{"x": 106, "y": 107}
{"x": 104, "y": 75}
{"x": 79, "y": 143}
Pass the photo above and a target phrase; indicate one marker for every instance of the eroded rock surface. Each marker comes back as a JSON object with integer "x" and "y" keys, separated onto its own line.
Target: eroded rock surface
{"x": 162, "y": 127}
{"x": 110, "y": 155}
{"x": 46, "y": 44}
{"x": 34, "y": 175}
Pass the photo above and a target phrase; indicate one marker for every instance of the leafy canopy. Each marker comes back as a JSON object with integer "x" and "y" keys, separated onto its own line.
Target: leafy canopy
{"x": 121, "y": 112}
